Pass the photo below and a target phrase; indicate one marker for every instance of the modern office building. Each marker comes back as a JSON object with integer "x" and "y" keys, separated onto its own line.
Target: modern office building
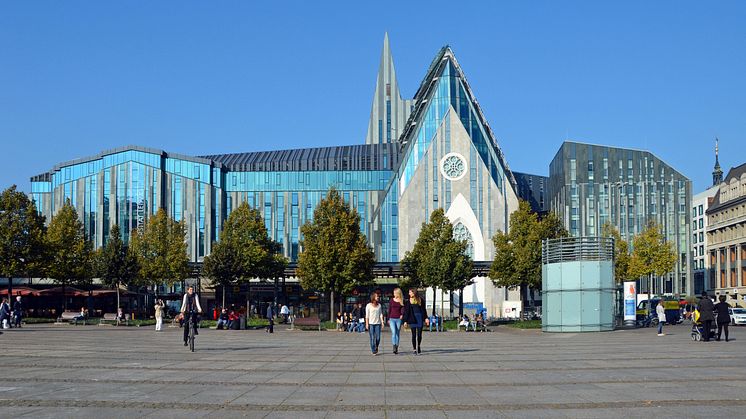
{"x": 701, "y": 202}
{"x": 726, "y": 235}
{"x": 590, "y": 185}
{"x": 533, "y": 189}
{"x": 435, "y": 151}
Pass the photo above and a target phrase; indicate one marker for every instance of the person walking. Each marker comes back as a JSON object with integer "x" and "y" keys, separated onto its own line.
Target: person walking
{"x": 374, "y": 322}
{"x": 723, "y": 317}
{"x": 706, "y": 315}
{"x": 271, "y": 318}
{"x": 661, "y": 312}
{"x": 396, "y": 315}
{"x": 415, "y": 315}
{"x": 158, "y": 315}
{"x": 18, "y": 311}
{"x": 5, "y": 314}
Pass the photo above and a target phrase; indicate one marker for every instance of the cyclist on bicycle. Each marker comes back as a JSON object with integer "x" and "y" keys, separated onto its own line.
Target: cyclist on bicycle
{"x": 189, "y": 309}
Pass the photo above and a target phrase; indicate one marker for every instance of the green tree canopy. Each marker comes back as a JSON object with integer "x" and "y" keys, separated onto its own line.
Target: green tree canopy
{"x": 245, "y": 250}
{"x": 621, "y": 252}
{"x": 116, "y": 264}
{"x": 161, "y": 251}
{"x": 437, "y": 258}
{"x": 651, "y": 253}
{"x": 335, "y": 256}
{"x": 517, "y": 260}
{"x": 68, "y": 249}
{"x": 22, "y": 230}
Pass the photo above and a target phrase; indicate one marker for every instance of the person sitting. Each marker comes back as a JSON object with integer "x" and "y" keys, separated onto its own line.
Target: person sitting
{"x": 81, "y": 316}
{"x": 464, "y": 323}
{"x": 435, "y": 321}
{"x": 223, "y": 320}
{"x": 480, "y": 323}
{"x": 233, "y": 322}
{"x": 120, "y": 316}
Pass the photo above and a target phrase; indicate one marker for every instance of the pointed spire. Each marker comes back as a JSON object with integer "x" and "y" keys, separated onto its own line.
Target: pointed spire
{"x": 389, "y": 112}
{"x": 717, "y": 173}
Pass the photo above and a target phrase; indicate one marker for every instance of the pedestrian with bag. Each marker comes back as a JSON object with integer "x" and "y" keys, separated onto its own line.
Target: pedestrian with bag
{"x": 396, "y": 316}
{"x": 415, "y": 315}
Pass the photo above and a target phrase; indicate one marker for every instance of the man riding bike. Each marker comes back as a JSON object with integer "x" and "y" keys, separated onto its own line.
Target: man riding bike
{"x": 189, "y": 309}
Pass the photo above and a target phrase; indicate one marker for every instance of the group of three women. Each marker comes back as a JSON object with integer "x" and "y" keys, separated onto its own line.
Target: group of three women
{"x": 411, "y": 313}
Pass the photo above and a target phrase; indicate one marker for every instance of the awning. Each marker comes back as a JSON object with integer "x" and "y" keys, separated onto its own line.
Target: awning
{"x": 69, "y": 292}
{"x": 22, "y": 291}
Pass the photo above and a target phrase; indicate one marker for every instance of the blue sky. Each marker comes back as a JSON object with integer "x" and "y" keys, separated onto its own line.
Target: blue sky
{"x": 232, "y": 76}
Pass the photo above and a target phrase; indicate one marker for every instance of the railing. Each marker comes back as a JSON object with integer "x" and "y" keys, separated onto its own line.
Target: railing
{"x": 574, "y": 249}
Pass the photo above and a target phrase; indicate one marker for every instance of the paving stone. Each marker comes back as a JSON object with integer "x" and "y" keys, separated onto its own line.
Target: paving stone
{"x": 135, "y": 372}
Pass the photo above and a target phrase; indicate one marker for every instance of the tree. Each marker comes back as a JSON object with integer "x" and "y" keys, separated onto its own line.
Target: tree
{"x": 621, "y": 252}
{"x": 22, "y": 231}
{"x": 244, "y": 251}
{"x": 161, "y": 251}
{"x": 335, "y": 256}
{"x": 651, "y": 255}
{"x": 116, "y": 264}
{"x": 69, "y": 251}
{"x": 517, "y": 260}
{"x": 437, "y": 259}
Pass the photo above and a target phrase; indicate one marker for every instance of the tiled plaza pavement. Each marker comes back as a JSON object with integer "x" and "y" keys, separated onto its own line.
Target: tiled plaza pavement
{"x": 92, "y": 371}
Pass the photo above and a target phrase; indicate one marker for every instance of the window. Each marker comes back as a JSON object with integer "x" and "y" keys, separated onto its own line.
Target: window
{"x": 694, "y": 238}
{"x": 701, "y": 224}
{"x": 590, "y": 170}
{"x": 700, "y": 210}
{"x": 701, "y": 237}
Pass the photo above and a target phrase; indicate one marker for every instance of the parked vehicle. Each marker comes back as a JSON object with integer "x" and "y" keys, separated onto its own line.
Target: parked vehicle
{"x": 737, "y": 316}
{"x": 673, "y": 310}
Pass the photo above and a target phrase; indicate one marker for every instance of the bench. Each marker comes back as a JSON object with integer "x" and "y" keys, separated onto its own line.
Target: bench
{"x": 71, "y": 317}
{"x": 112, "y": 317}
{"x": 306, "y": 321}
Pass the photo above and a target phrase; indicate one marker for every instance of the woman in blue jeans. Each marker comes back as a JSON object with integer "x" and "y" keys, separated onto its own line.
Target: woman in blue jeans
{"x": 374, "y": 322}
{"x": 396, "y": 314}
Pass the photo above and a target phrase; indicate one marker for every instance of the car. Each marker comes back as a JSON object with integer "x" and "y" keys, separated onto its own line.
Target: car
{"x": 737, "y": 315}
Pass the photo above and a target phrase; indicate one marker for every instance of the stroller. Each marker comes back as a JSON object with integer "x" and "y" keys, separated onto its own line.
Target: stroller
{"x": 698, "y": 328}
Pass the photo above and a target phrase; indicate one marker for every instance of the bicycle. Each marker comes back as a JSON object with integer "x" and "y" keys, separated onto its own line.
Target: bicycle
{"x": 192, "y": 325}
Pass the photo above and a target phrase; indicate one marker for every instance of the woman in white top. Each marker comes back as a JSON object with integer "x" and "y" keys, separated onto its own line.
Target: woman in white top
{"x": 661, "y": 312}
{"x": 374, "y": 322}
{"x": 158, "y": 315}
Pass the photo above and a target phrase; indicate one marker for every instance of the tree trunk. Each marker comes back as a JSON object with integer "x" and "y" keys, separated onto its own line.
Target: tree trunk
{"x": 118, "y": 304}
{"x": 10, "y": 289}
{"x": 442, "y": 296}
{"x": 223, "y": 306}
{"x": 650, "y": 289}
{"x": 461, "y": 303}
{"x": 331, "y": 305}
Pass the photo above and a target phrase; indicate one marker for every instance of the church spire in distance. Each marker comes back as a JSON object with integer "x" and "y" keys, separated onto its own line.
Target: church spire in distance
{"x": 717, "y": 173}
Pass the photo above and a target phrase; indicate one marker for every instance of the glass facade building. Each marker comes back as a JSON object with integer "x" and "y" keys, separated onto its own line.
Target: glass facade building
{"x": 590, "y": 185}
{"x": 434, "y": 151}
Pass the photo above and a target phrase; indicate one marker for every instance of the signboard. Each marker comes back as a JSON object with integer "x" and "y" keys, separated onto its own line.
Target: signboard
{"x": 630, "y": 300}
{"x": 473, "y": 306}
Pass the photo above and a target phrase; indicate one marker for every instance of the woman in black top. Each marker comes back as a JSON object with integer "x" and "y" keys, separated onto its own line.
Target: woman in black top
{"x": 723, "y": 317}
{"x": 415, "y": 315}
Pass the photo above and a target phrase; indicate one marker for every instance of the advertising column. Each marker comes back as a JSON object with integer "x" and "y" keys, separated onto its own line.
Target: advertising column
{"x": 630, "y": 303}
